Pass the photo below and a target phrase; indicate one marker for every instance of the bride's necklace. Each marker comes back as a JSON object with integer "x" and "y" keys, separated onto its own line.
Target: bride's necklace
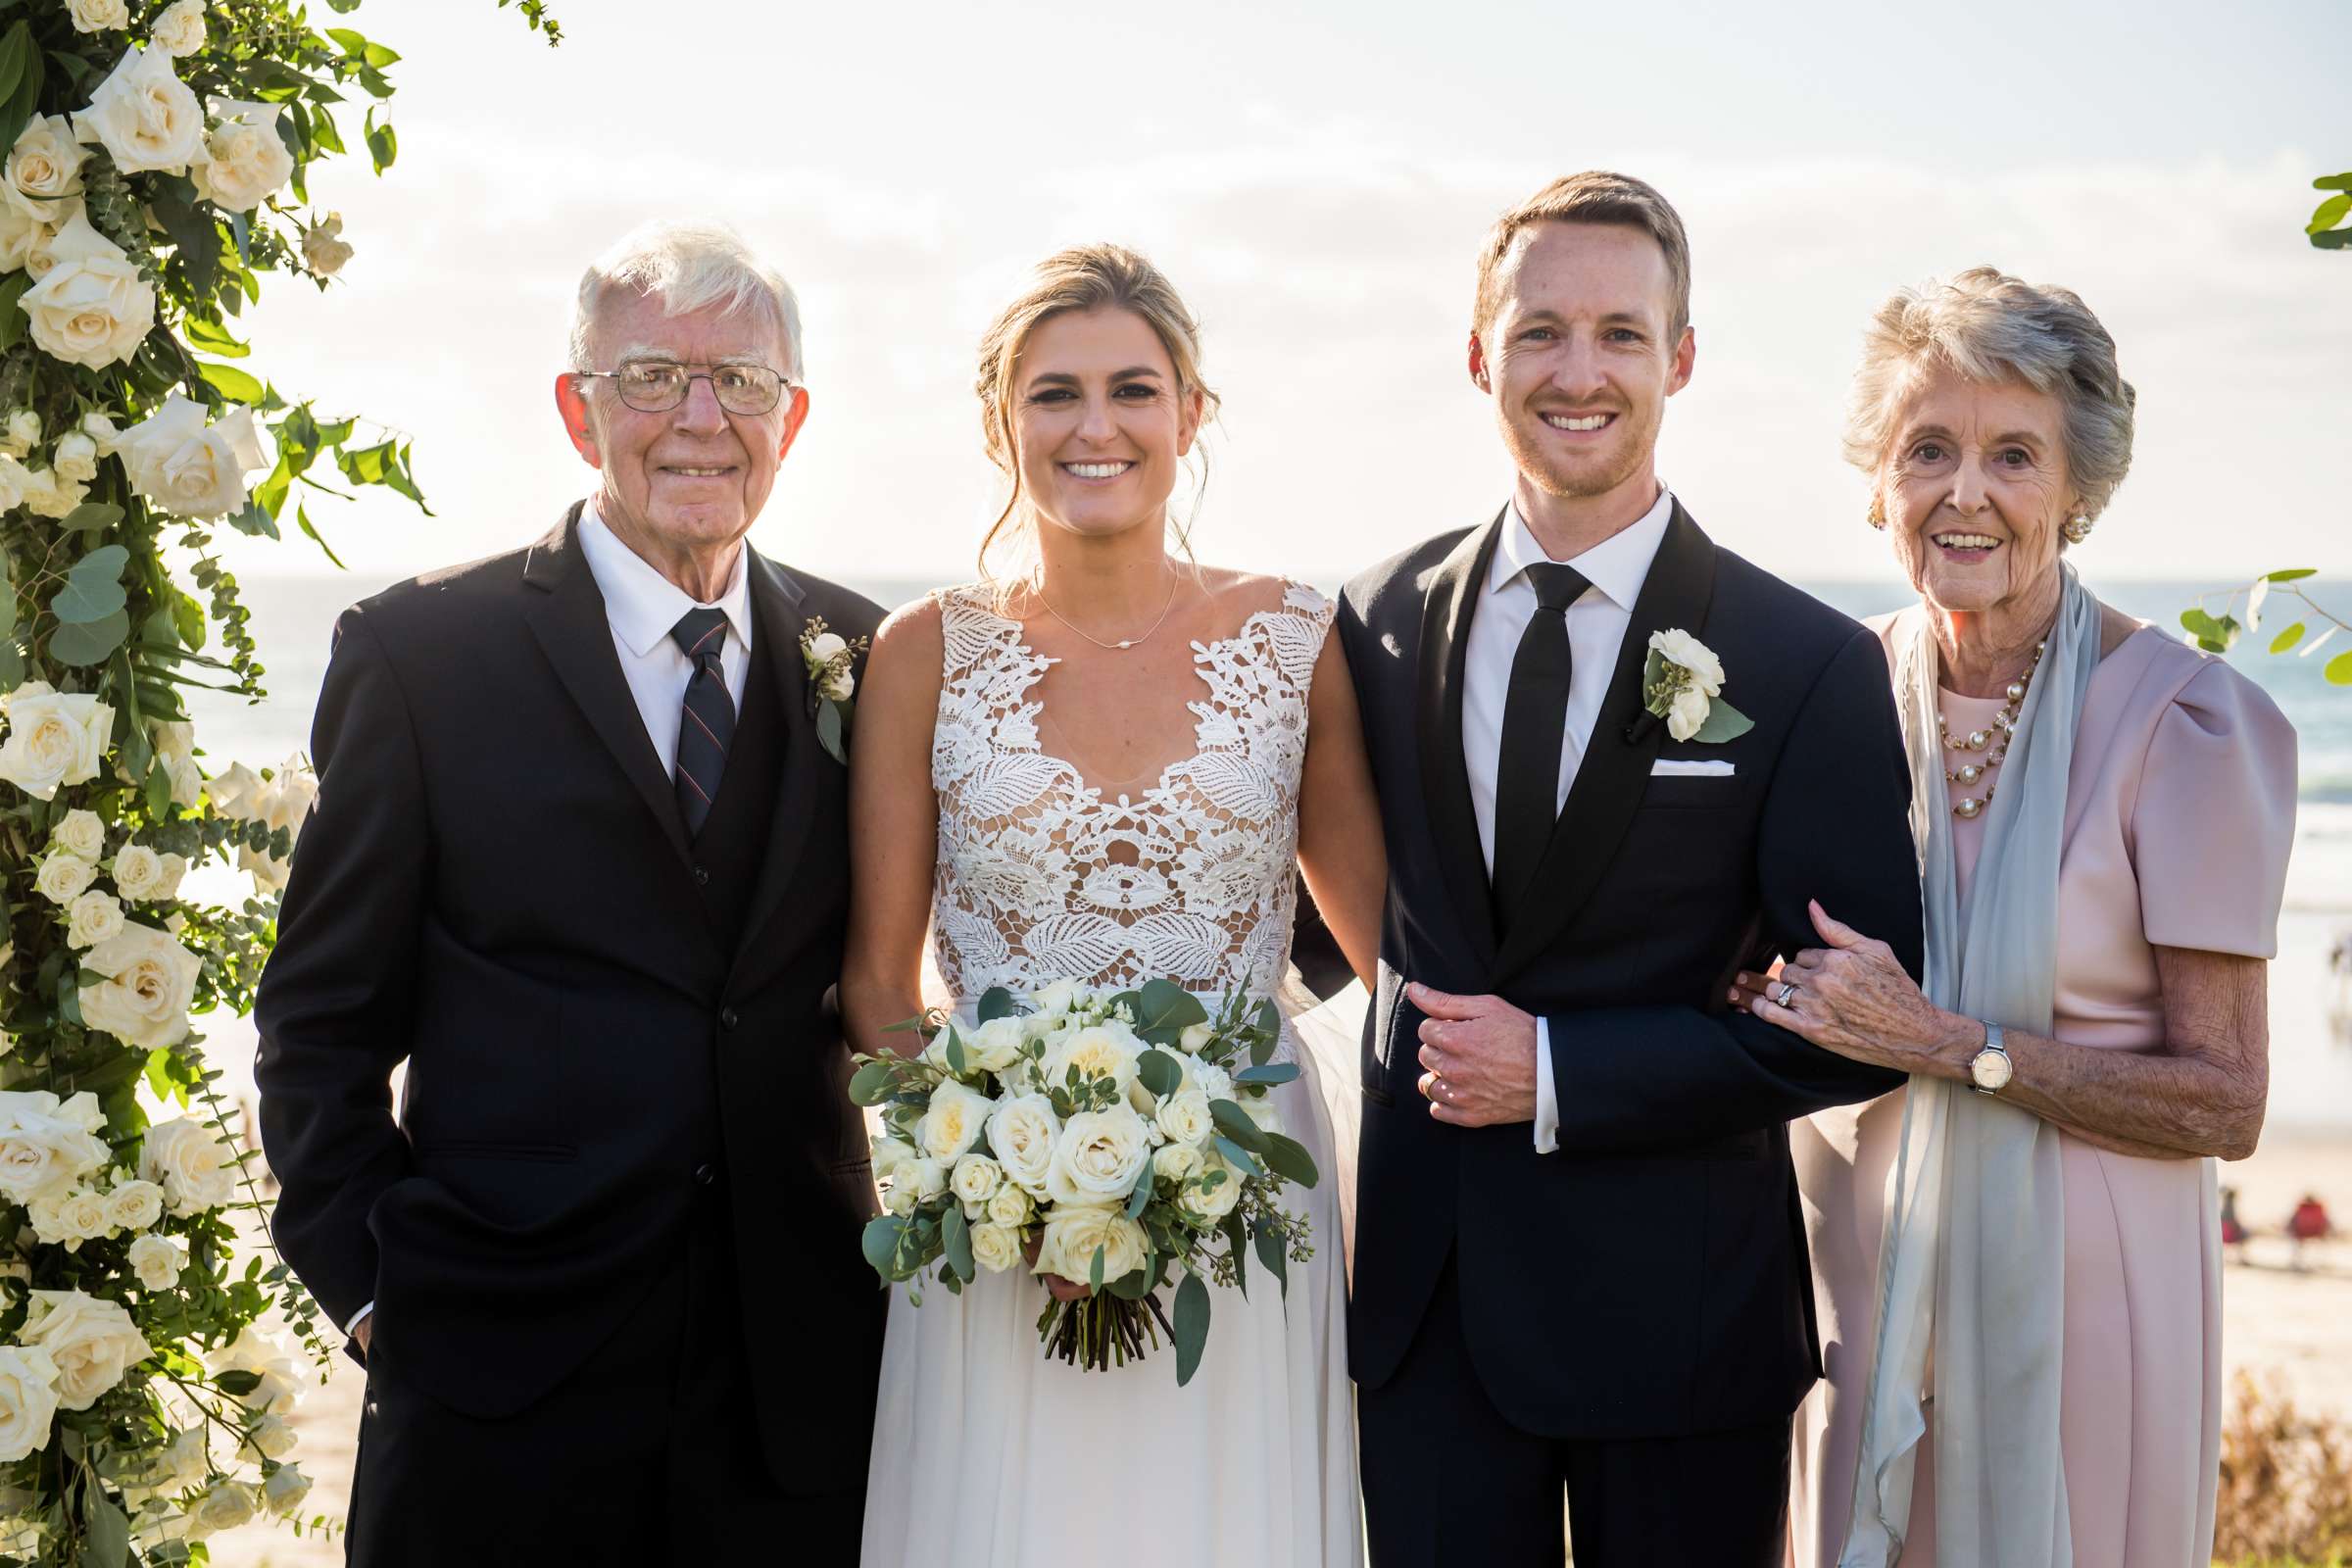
{"x": 1124, "y": 643}
{"x": 2005, "y": 722}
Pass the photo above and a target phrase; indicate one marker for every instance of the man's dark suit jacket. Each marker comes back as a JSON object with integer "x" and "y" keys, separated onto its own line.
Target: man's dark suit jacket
{"x": 495, "y": 886}
{"x": 1649, "y": 1277}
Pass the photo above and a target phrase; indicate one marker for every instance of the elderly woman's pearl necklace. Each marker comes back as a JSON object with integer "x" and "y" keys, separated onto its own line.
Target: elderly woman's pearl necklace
{"x": 1977, "y": 740}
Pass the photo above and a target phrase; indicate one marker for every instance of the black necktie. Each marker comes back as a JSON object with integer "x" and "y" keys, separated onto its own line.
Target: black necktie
{"x": 708, "y": 725}
{"x": 1535, "y": 724}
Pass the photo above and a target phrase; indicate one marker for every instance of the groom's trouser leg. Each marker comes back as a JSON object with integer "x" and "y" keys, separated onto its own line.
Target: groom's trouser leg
{"x": 1715, "y": 1498}
{"x": 1448, "y": 1481}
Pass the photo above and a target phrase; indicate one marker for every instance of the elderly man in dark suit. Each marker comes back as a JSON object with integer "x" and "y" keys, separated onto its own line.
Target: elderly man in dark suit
{"x": 577, "y": 859}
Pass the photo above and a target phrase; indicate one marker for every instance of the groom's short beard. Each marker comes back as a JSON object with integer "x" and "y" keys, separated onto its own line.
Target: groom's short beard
{"x": 1620, "y": 464}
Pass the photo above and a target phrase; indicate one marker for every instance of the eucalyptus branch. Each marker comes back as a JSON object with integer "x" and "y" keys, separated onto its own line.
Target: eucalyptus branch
{"x": 2218, "y": 634}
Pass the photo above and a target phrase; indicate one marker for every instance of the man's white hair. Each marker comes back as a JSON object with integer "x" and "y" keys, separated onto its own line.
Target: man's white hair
{"x": 689, "y": 267}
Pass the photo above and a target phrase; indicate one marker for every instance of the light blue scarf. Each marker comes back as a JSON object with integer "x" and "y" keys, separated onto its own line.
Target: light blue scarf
{"x": 1973, "y": 1261}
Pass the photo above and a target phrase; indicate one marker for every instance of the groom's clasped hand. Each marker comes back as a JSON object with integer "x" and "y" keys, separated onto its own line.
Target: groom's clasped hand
{"x": 1530, "y": 1239}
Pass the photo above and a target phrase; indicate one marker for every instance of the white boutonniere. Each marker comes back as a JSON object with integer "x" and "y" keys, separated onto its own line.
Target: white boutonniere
{"x": 1683, "y": 684}
{"x": 832, "y": 661}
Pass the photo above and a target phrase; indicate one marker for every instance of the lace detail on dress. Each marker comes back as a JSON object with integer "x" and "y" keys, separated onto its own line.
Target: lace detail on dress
{"x": 1039, "y": 877}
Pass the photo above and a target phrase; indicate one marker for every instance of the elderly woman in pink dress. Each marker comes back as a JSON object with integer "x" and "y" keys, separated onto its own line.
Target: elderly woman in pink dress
{"x": 2018, "y": 1255}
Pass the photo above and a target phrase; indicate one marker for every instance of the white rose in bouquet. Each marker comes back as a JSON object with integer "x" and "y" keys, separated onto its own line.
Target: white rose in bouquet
{"x": 928, "y": 1177}
{"x": 138, "y": 872}
{"x": 180, "y": 30}
{"x": 1010, "y": 1207}
{"x": 257, "y": 1352}
{"x": 996, "y": 1044}
{"x": 224, "y": 1505}
{"x": 325, "y": 251}
{"x": 62, "y": 877}
{"x": 144, "y": 115}
{"x": 75, "y": 458}
{"x": 196, "y": 1171}
{"x": 283, "y": 1492}
{"x": 269, "y": 1438}
{"x": 1055, "y": 999}
{"x": 27, "y": 1401}
{"x": 1176, "y": 1162}
{"x": 134, "y": 1204}
{"x": 46, "y": 1145}
{"x": 900, "y": 1199}
{"x": 157, "y": 1261}
{"x": 1196, "y": 1036}
{"x": 1100, "y": 1051}
{"x": 93, "y": 1343}
{"x": 976, "y": 1179}
{"x": 1184, "y": 1116}
{"x": 1214, "y": 1202}
{"x": 1021, "y": 1132}
{"x": 995, "y": 1247}
{"x": 954, "y": 1123}
{"x": 191, "y": 469}
{"x": 91, "y": 307}
{"x": 92, "y": 918}
{"x": 53, "y": 739}
{"x": 68, "y": 1217}
{"x": 97, "y": 16}
{"x": 1075, "y": 1231}
{"x": 1262, "y": 1111}
{"x": 1098, "y": 1157}
{"x": 149, "y": 980}
{"x": 245, "y": 161}
{"x": 79, "y": 833}
{"x": 1210, "y": 1079}
{"x": 892, "y": 1157}
{"x": 43, "y": 169}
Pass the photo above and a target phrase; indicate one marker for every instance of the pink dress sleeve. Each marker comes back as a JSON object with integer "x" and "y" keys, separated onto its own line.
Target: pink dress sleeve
{"x": 2215, "y": 817}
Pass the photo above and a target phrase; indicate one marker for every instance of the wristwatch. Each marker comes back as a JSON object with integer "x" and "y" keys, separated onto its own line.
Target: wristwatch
{"x": 1988, "y": 1068}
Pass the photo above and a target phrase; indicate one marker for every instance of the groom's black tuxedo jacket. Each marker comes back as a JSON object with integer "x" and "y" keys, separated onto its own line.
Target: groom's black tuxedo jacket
{"x": 601, "y": 1029}
{"x": 1651, "y": 1276}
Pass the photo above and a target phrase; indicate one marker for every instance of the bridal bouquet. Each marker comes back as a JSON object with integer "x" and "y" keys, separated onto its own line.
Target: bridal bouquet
{"x": 1119, "y": 1140}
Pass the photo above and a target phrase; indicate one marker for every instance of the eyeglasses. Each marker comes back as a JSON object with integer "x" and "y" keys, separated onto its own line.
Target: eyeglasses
{"x": 657, "y": 386}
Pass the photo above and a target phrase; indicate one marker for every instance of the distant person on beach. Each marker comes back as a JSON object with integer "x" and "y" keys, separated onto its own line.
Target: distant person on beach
{"x": 2234, "y": 1230}
{"x": 2308, "y": 1223}
{"x": 578, "y": 860}
{"x": 2104, "y": 816}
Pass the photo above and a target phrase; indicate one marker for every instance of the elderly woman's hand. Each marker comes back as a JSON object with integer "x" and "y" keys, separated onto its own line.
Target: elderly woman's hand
{"x": 1851, "y": 997}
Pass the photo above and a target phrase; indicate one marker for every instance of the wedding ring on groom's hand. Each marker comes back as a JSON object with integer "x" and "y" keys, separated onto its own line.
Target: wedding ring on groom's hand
{"x": 1787, "y": 991}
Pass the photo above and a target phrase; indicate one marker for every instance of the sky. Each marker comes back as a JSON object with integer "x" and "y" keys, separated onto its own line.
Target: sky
{"x": 1315, "y": 179}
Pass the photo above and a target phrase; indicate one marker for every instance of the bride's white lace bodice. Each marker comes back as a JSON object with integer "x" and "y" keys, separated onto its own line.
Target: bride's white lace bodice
{"x": 1041, "y": 877}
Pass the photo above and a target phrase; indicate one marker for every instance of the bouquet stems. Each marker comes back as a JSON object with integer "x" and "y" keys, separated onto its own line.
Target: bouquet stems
{"x": 1098, "y": 1332}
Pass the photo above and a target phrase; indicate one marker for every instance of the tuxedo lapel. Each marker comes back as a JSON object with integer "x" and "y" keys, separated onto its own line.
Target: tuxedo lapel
{"x": 1626, "y": 741}
{"x": 566, "y": 614}
{"x": 1445, "y": 612}
{"x": 804, "y": 793}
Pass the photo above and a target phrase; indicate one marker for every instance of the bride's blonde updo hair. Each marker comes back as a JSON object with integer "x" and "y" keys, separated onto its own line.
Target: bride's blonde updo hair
{"x": 1084, "y": 277}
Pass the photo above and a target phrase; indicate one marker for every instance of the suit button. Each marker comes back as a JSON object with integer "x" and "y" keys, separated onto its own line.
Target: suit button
{"x": 704, "y": 1175}
{"x": 727, "y": 1017}
{"x": 702, "y": 878}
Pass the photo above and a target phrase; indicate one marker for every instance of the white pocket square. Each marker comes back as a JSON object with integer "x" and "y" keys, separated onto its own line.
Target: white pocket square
{"x": 1667, "y": 767}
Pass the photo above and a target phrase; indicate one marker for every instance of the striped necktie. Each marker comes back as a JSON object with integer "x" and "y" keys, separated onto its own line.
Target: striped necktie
{"x": 707, "y": 727}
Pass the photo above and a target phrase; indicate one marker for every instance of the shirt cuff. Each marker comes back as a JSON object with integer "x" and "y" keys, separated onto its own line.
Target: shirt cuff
{"x": 360, "y": 1316}
{"x": 1548, "y": 1095}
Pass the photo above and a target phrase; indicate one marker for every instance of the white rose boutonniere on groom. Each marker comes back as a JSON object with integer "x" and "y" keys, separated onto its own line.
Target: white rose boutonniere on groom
{"x": 1683, "y": 684}
{"x": 832, "y": 661}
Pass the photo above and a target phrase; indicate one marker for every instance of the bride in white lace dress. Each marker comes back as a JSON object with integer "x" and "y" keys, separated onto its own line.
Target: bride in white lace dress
{"x": 1109, "y": 770}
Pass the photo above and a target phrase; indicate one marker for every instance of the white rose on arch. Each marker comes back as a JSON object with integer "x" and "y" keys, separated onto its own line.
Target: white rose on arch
{"x": 325, "y": 251}
{"x": 91, "y": 307}
{"x": 53, "y": 738}
{"x": 93, "y": 1343}
{"x": 47, "y": 1143}
{"x": 157, "y": 1261}
{"x": 283, "y": 1492}
{"x": 245, "y": 161}
{"x": 148, "y": 980}
{"x": 43, "y": 169}
{"x": 196, "y": 1171}
{"x": 144, "y": 115}
{"x": 27, "y": 1401}
{"x": 187, "y": 469}
{"x": 180, "y": 30}
{"x": 98, "y": 15}
{"x": 94, "y": 917}
{"x": 257, "y": 1352}
{"x": 138, "y": 872}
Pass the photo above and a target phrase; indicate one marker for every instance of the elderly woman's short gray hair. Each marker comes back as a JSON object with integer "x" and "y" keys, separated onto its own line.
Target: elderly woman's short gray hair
{"x": 690, "y": 267}
{"x": 1994, "y": 328}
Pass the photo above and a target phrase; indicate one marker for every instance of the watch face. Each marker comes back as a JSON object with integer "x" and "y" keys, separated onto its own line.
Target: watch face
{"x": 1990, "y": 1068}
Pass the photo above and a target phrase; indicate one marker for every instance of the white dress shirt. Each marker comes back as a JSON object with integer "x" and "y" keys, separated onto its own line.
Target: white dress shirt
{"x": 642, "y": 605}
{"x": 1596, "y": 622}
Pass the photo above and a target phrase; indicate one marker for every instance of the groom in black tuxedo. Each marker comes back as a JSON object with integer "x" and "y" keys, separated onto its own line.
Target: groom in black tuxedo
{"x": 577, "y": 859}
{"x": 1579, "y": 1262}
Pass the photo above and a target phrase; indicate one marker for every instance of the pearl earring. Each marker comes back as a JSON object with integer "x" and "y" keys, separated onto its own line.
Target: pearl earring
{"x": 2075, "y": 530}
